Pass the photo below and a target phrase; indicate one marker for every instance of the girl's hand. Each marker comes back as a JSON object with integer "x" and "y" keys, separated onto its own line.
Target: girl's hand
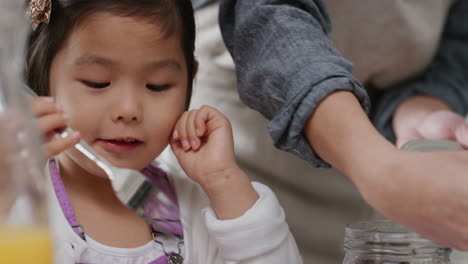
{"x": 202, "y": 142}
{"x": 51, "y": 119}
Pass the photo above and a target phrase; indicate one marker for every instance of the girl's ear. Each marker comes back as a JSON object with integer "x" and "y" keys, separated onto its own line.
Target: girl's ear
{"x": 195, "y": 69}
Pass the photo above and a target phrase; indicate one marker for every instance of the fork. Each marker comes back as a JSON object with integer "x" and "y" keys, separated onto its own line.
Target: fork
{"x": 130, "y": 186}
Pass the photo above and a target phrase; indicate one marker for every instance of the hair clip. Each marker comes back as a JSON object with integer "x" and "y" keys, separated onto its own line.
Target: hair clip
{"x": 39, "y": 12}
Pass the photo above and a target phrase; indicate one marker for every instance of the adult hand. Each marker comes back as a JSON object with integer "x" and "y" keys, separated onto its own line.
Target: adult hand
{"x": 427, "y": 192}
{"x": 423, "y": 117}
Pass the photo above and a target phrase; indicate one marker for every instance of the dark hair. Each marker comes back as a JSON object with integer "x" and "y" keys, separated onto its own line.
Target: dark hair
{"x": 175, "y": 16}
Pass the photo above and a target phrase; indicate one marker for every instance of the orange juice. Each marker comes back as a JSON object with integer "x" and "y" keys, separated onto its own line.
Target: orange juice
{"x": 25, "y": 245}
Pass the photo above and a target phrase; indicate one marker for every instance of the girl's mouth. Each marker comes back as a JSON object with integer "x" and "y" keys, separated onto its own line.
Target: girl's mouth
{"x": 120, "y": 144}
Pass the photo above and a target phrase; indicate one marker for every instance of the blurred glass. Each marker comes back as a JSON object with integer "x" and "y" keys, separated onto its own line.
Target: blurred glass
{"x": 24, "y": 232}
{"x": 385, "y": 242}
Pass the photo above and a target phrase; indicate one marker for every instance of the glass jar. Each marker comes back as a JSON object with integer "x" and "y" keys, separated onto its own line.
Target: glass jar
{"x": 24, "y": 231}
{"x": 384, "y": 242}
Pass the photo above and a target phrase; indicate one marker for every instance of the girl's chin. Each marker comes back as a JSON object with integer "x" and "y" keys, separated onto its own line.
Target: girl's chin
{"x": 78, "y": 163}
{"x": 80, "y": 160}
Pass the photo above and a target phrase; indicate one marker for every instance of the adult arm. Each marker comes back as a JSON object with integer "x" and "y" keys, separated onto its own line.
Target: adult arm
{"x": 288, "y": 70}
{"x": 286, "y": 64}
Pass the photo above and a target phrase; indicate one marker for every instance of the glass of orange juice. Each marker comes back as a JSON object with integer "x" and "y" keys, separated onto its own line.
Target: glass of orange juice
{"x": 24, "y": 231}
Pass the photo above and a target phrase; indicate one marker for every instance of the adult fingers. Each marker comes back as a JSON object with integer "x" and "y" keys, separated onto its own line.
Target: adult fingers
{"x": 440, "y": 125}
{"x": 461, "y": 134}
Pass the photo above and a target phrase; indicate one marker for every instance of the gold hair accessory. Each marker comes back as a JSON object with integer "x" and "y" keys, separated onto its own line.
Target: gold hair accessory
{"x": 39, "y": 12}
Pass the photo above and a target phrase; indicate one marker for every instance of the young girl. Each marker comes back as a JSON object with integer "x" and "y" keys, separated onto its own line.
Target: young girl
{"x": 120, "y": 73}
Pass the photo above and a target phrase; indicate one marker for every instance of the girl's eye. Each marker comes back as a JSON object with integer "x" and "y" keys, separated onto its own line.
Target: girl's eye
{"x": 95, "y": 85}
{"x": 158, "y": 88}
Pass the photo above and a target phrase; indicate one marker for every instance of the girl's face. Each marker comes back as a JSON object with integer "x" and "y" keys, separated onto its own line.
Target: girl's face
{"x": 123, "y": 85}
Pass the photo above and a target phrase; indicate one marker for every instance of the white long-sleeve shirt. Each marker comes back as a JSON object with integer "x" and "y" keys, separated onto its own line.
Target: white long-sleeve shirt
{"x": 261, "y": 235}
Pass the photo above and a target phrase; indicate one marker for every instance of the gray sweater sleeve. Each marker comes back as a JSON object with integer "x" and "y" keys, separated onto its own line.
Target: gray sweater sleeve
{"x": 286, "y": 64}
{"x": 445, "y": 78}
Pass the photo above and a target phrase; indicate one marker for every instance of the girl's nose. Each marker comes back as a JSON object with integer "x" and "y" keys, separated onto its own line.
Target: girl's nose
{"x": 128, "y": 109}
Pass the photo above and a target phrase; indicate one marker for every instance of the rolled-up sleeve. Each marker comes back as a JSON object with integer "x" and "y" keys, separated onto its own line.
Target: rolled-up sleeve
{"x": 286, "y": 64}
{"x": 445, "y": 78}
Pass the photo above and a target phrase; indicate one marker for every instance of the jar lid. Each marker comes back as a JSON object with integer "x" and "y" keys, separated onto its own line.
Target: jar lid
{"x": 426, "y": 145}
{"x": 389, "y": 237}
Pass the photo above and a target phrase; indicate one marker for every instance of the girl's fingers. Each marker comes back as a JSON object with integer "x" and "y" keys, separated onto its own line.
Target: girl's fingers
{"x": 193, "y": 125}
{"x": 209, "y": 116}
{"x": 44, "y": 105}
{"x": 50, "y": 118}
{"x": 191, "y": 130}
{"x": 58, "y": 145}
{"x": 175, "y": 132}
{"x": 200, "y": 121}
{"x": 49, "y": 123}
{"x": 181, "y": 129}
{"x": 176, "y": 146}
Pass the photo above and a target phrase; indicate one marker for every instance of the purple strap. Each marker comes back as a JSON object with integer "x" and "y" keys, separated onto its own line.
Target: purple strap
{"x": 162, "y": 205}
{"x": 161, "y": 260}
{"x": 64, "y": 200}
{"x": 158, "y": 209}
